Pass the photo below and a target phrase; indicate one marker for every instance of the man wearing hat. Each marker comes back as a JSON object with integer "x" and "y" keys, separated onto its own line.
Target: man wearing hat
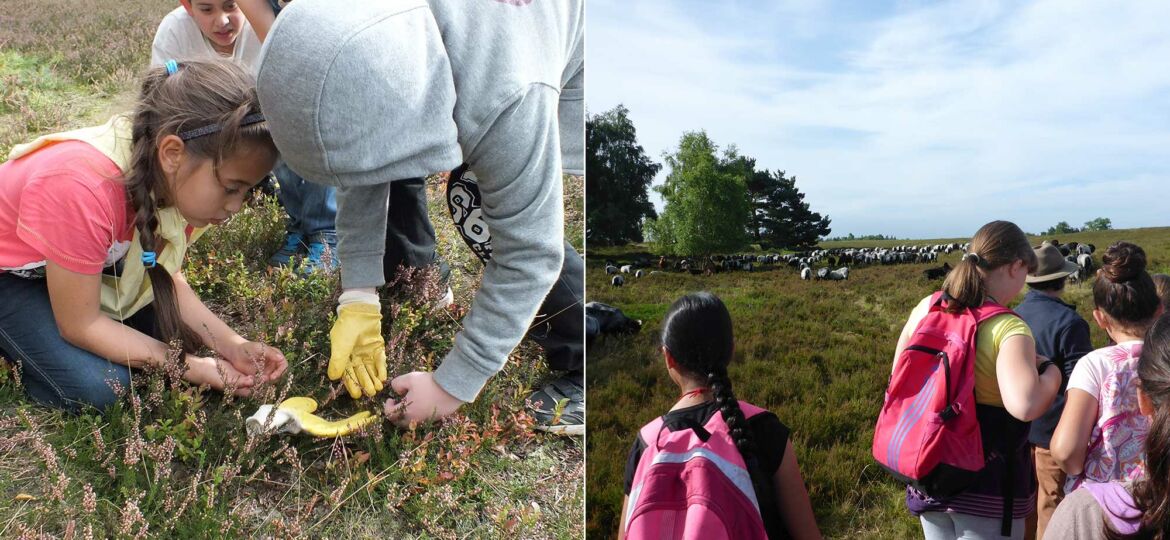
{"x": 1062, "y": 335}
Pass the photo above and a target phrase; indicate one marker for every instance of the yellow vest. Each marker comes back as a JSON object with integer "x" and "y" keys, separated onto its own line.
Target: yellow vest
{"x": 123, "y": 296}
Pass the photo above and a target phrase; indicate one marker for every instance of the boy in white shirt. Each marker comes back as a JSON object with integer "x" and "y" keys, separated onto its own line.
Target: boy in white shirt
{"x": 201, "y": 29}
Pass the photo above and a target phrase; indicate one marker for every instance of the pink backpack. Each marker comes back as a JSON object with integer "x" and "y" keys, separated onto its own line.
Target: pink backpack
{"x": 927, "y": 434}
{"x": 693, "y": 484}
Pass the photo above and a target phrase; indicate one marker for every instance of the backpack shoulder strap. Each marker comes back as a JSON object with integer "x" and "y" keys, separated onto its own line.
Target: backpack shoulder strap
{"x": 750, "y": 410}
{"x": 649, "y": 432}
{"x": 989, "y": 310}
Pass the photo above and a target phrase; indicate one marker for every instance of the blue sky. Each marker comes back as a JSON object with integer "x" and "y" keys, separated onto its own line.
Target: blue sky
{"x": 917, "y": 119}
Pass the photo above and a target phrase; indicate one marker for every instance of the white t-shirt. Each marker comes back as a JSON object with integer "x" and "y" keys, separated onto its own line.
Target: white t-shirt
{"x": 179, "y": 38}
{"x": 1116, "y": 441}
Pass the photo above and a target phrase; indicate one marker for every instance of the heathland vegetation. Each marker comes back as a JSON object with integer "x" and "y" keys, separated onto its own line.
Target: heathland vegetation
{"x": 817, "y": 353}
{"x": 173, "y": 462}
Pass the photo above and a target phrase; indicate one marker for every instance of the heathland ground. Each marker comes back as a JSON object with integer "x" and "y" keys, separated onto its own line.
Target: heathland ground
{"x": 172, "y": 462}
{"x": 817, "y": 353}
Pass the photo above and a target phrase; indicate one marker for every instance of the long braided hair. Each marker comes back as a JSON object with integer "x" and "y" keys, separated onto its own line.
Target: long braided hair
{"x": 697, "y": 332}
{"x": 198, "y": 94}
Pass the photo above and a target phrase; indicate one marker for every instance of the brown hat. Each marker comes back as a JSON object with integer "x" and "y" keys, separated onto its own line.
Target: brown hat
{"x": 1052, "y": 265}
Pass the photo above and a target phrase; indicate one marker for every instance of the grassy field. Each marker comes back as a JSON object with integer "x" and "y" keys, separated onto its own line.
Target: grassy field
{"x": 171, "y": 462}
{"x": 816, "y": 353}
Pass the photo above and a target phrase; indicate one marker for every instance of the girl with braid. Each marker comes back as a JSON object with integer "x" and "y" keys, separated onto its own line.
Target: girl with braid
{"x": 697, "y": 346}
{"x": 94, "y": 226}
{"x": 1131, "y": 508}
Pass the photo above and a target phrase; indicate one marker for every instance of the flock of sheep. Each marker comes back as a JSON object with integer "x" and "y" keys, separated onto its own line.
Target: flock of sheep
{"x": 838, "y": 258}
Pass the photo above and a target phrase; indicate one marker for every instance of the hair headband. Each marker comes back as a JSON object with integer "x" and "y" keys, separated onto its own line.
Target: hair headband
{"x": 253, "y": 118}
{"x": 172, "y": 67}
{"x": 974, "y": 257}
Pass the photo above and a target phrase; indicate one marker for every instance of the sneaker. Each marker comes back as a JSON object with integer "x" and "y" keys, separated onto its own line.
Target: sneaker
{"x": 321, "y": 254}
{"x": 559, "y": 407}
{"x": 293, "y": 246}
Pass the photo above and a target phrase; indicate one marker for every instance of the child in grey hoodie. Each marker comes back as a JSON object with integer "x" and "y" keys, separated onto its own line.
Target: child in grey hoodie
{"x": 361, "y": 93}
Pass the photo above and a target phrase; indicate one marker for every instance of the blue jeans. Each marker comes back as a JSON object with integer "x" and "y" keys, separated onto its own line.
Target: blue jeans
{"x": 559, "y": 327}
{"x": 55, "y": 372}
{"x": 311, "y": 207}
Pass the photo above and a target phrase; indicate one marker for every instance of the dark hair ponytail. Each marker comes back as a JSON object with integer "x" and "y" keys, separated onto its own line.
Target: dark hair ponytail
{"x": 697, "y": 331}
{"x": 199, "y": 94}
{"x": 1151, "y": 495}
{"x": 994, "y": 245}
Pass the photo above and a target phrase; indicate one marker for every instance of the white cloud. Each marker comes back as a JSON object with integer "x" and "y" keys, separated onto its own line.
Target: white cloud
{"x": 920, "y": 121}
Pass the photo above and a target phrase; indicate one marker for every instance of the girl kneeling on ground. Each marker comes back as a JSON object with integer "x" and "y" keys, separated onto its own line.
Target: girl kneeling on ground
{"x": 697, "y": 345}
{"x": 94, "y": 225}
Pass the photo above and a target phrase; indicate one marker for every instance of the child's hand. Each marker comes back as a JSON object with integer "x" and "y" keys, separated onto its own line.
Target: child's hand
{"x": 252, "y": 357}
{"x": 217, "y": 374}
{"x": 421, "y": 400}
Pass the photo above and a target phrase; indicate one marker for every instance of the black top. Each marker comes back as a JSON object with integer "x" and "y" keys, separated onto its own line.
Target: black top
{"x": 1061, "y": 335}
{"x": 770, "y": 437}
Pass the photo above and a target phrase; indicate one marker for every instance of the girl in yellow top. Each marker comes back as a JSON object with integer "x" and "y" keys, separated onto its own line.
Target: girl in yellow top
{"x": 1009, "y": 390}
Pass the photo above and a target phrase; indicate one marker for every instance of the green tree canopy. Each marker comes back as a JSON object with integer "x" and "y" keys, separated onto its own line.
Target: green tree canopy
{"x": 707, "y": 208}
{"x": 1061, "y": 228}
{"x": 784, "y": 219}
{"x": 617, "y": 177}
{"x": 1099, "y": 224}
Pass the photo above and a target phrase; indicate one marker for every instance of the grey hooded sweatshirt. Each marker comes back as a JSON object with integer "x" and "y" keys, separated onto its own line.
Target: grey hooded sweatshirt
{"x": 359, "y": 93}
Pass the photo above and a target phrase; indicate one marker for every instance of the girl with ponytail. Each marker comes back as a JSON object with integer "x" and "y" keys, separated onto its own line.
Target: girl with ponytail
{"x": 1134, "y": 509}
{"x": 1100, "y": 434}
{"x": 1013, "y": 386}
{"x": 94, "y": 226}
{"x": 697, "y": 346}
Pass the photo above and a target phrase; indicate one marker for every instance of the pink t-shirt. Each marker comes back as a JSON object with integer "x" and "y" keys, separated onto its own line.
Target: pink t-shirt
{"x": 1117, "y": 441}
{"x": 65, "y": 203}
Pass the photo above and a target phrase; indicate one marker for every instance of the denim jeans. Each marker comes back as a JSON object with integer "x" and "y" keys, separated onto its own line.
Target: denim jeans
{"x": 311, "y": 207}
{"x": 559, "y": 327}
{"x": 410, "y": 237}
{"x": 55, "y": 372}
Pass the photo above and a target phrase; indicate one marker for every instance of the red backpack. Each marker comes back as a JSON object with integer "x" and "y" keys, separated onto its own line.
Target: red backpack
{"x": 927, "y": 434}
{"x": 693, "y": 484}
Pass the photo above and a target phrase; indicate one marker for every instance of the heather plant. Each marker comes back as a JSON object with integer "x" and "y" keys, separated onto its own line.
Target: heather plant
{"x": 816, "y": 353}
{"x": 171, "y": 461}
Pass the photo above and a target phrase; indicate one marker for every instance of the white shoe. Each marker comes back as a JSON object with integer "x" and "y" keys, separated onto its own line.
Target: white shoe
{"x": 445, "y": 301}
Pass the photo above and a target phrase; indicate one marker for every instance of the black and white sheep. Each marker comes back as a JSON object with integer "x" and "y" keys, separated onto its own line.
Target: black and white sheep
{"x": 617, "y": 281}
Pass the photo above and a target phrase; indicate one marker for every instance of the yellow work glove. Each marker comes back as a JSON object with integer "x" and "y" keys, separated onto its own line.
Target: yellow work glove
{"x": 358, "y": 355}
{"x": 294, "y": 415}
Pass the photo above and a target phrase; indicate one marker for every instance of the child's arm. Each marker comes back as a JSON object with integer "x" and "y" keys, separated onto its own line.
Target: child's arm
{"x": 259, "y": 14}
{"x": 247, "y": 357}
{"x": 75, "y": 299}
{"x": 1070, "y": 441}
{"x": 622, "y": 522}
{"x": 1026, "y": 394}
{"x": 792, "y": 498}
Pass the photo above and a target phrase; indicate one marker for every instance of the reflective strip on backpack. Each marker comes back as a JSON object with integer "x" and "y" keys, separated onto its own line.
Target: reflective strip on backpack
{"x": 910, "y": 417}
{"x": 738, "y": 475}
{"x": 631, "y": 503}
